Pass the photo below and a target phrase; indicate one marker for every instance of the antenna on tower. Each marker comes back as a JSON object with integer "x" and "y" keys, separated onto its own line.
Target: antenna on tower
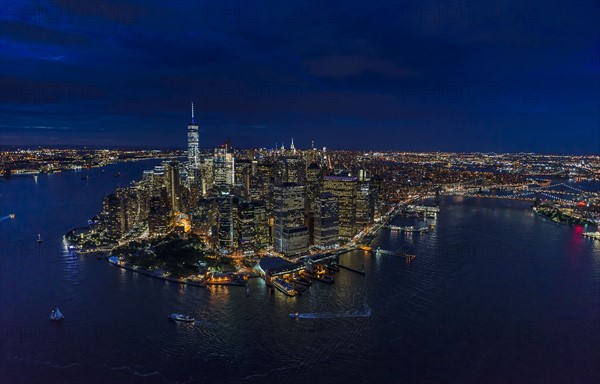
{"x": 192, "y": 112}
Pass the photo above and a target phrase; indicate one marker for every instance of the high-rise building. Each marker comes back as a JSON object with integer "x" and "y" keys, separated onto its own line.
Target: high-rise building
{"x": 326, "y": 232}
{"x": 157, "y": 217}
{"x": 261, "y": 223}
{"x": 290, "y": 230}
{"x": 173, "y": 185}
{"x": 226, "y": 213}
{"x": 364, "y": 205}
{"x": 207, "y": 174}
{"x": 192, "y": 136}
{"x": 224, "y": 168}
{"x": 345, "y": 188}
{"x": 243, "y": 170}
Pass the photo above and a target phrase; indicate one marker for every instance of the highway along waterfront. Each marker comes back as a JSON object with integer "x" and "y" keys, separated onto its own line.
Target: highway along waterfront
{"x": 494, "y": 293}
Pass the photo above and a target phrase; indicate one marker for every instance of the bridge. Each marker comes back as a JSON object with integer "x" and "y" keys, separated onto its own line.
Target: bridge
{"x": 560, "y": 192}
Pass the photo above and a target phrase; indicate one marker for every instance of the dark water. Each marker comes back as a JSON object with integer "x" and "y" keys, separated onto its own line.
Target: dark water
{"x": 495, "y": 294}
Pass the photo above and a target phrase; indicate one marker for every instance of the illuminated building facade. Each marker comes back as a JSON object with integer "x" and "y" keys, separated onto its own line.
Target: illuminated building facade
{"x": 327, "y": 221}
{"x": 345, "y": 189}
{"x": 290, "y": 231}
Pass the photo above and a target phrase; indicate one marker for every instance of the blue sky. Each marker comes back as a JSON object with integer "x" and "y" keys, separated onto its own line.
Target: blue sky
{"x": 433, "y": 75}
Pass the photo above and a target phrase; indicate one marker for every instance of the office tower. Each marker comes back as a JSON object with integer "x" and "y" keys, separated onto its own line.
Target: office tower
{"x": 290, "y": 170}
{"x": 261, "y": 222}
{"x": 364, "y": 205}
{"x": 326, "y": 232}
{"x": 207, "y": 175}
{"x": 246, "y": 230}
{"x": 261, "y": 181}
{"x": 345, "y": 188}
{"x": 224, "y": 168}
{"x": 243, "y": 169}
{"x": 290, "y": 230}
{"x": 173, "y": 185}
{"x": 192, "y": 136}
{"x": 226, "y": 230}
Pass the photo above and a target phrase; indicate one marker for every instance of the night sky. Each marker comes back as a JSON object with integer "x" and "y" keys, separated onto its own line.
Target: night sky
{"x": 407, "y": 75}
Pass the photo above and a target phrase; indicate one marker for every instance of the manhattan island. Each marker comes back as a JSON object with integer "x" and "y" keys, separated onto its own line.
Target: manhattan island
{"x": 286, "y": 214}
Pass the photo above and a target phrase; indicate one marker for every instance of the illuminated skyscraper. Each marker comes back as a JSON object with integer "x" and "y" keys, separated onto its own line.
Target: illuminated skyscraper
{"x": 193, "y": 142}
{"x": 327, "y": 221}
{"x": 345, "y": 188}
{"x": 173, "y": 185}
{"x": 224, "y": 167}
{"x": 290, "y": 230}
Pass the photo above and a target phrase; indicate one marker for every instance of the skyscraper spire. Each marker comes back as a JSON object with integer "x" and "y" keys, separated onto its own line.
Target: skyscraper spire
{"x": 192, "y": 135}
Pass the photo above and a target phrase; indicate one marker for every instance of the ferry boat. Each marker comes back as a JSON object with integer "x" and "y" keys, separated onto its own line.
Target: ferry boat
{"x": 182, "y": 318}
{"x": 284, "y": 287}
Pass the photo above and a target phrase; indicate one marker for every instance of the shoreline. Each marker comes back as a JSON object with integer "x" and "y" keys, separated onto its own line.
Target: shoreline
{"x": 201, "y": 284}
{"x": 59, "y": 170}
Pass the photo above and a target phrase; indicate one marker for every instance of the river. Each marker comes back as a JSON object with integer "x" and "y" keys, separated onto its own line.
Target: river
{"x": 495, "y": 294}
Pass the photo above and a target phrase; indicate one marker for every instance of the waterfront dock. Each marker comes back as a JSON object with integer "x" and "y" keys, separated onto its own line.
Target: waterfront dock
{"x": 592, "y": 235}
{"x": 360, "y": 272}
{"x": 152, "y": 274}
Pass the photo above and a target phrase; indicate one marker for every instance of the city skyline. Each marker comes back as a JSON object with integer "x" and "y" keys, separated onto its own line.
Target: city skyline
{"x": 512, "y": 77}
{"x": 227, "y": 191}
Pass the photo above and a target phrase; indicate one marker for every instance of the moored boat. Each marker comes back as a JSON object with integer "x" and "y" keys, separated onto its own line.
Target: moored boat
{"x": 322, "y": 277}
{"x": 284, "y": 286}
{"x": 301, "y": 280}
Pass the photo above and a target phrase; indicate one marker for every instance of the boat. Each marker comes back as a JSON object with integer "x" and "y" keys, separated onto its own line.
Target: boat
{"x": 56, "y": 315}
{"x": 295, "y": 315}
{"x": 284, "y": 287}
{"x": 322, "y": 277}
{"x": 39, "y": 239}
{"x": 301, "y": 280}
{"x": 182, "y": 318}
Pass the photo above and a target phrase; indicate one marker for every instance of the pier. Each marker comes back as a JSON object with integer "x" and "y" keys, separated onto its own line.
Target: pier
{"x": 408, "y": 228}
{"x": 362, "y": 272}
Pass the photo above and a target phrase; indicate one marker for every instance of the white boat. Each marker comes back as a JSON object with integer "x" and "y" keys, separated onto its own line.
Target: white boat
{"x": 56, "y": 315}
{"x": 180, "y": 317}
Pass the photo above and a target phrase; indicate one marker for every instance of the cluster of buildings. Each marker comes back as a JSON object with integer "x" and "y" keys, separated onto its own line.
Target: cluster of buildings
{"x": 32, "y": 161}
{"x": 241, "y": 201}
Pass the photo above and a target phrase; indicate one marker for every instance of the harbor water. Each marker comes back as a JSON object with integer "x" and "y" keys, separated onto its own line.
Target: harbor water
{"x": 495, "y": 294}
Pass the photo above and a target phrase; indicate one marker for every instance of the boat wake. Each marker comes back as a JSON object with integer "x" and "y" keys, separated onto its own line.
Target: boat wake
{"x": 365, "y": 311}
